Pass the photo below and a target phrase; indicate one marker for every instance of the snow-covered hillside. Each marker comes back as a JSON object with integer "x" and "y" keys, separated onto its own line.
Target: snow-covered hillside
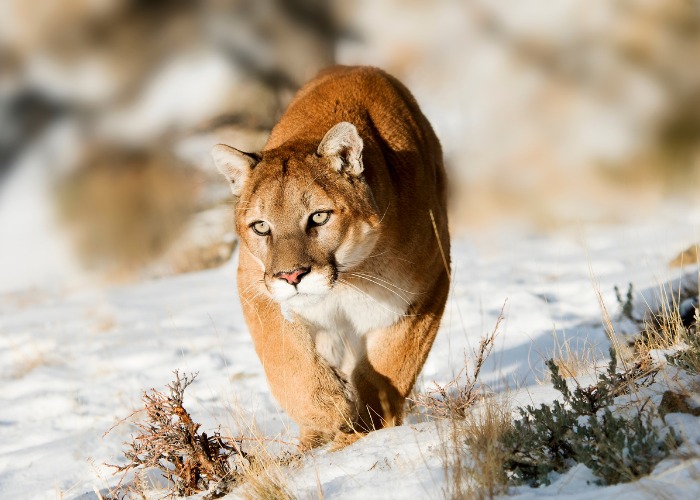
{"x": 74, "y": 362}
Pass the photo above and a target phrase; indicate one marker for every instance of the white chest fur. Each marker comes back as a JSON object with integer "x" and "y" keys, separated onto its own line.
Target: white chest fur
{"x": 342, "y": 319}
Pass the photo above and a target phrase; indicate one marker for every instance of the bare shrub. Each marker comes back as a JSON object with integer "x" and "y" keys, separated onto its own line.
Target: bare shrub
{"x": 170, "y": 441}
{"x": 582, "y": 428}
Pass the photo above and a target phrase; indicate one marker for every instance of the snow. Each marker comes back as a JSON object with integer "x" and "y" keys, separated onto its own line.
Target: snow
{"x": 75, "y": 361}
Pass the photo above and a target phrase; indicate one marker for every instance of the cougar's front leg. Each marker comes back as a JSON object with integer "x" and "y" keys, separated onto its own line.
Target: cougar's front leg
{"x": 314, "y": 394}
{"x": 395, "y": 356}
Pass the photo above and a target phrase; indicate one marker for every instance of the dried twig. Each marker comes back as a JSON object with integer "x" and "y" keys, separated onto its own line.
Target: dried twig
{"x": 454, "y": 398}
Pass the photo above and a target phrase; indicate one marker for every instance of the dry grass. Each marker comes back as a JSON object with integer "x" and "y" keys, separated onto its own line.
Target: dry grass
{"x": 265, "y": 482}
{"x": 27, "y": 359}
{"x": 664, "y": 329}
{"x": 453, "y": 399}
{"x": 28, "y": 364}
{"x": 473, "y": 456}
{"x": 574, "y": 357}
{"x": 474, "y": 450}
{"x": 667, "y": 332}
{"x": 483, "y": 438}
{"x": 471, "y": 451}
{"x": 263, "y": 474}
{"x": 268, "y": 459}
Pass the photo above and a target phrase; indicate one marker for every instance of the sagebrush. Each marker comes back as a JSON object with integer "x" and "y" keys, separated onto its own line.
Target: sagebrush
{"x": 583, "y": 429}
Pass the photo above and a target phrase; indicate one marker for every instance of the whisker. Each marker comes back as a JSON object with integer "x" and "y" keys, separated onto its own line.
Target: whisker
{"x": 383, "y": 286}
{"x": 246, "y": 289}
{"x": 385, "y": 211}
{"x": 378, "y": 254}
{"x": 395, "y": 255}
{"x": 363, "y": 275}
{"x": 353, "y": 287}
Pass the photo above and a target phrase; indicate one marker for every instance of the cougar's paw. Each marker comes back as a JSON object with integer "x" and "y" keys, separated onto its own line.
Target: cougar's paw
{"x": 313, "y": 438}
{"x": 343, "y": 439}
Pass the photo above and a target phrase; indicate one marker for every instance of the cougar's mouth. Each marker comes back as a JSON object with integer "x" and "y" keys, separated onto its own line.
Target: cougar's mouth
{"x": 311, "y": 287}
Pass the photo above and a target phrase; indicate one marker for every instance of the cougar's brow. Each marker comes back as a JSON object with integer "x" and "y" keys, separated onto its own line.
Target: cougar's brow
{"x": 306, "y": 200}
{"x": 308, "y": 195}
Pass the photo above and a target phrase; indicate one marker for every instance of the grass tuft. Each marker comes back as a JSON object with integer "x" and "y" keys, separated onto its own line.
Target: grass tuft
{"x": 474, "y": 454}
{"x": 454, "y": 399}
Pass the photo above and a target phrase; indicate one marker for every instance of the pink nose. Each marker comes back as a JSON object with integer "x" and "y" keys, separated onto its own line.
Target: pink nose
{"x": 293, "y": 277}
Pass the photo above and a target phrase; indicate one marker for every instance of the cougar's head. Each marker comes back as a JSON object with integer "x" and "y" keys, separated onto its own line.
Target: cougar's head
{"x": 304, "y": 211}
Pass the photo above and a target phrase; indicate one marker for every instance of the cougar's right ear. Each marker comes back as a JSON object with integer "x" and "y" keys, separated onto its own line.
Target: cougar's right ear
{"x": 343, "y": 145}
{"x": 235, "y": 165}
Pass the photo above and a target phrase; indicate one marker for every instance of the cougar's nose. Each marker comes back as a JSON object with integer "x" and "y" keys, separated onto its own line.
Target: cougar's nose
{"x": 293, "y": 277}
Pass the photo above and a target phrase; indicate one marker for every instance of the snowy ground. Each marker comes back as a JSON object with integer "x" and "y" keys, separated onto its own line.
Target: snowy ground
{"x": 74, "y": 362}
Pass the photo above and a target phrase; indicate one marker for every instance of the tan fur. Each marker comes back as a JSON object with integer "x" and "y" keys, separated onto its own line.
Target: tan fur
{"x": 343, "y": 348}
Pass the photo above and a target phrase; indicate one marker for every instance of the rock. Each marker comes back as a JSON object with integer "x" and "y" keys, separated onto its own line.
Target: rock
{"x": 208, "y": 241}
{"x": 687, "y": 311}
{"x": 673, "y": 402}
{"x": 690, "y": 255}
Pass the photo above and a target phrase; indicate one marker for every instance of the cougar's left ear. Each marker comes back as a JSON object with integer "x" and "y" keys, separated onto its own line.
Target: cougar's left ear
{"x": 343, "y": 145}
{"x": 235, "y": 165}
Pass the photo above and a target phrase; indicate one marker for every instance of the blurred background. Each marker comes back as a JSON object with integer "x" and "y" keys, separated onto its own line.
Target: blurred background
{"x": 550, "y": 113}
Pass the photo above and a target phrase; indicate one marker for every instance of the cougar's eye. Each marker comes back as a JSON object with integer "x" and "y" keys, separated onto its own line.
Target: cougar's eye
{"x": 261, "y": 228}
{"x": 319, "y": 218}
